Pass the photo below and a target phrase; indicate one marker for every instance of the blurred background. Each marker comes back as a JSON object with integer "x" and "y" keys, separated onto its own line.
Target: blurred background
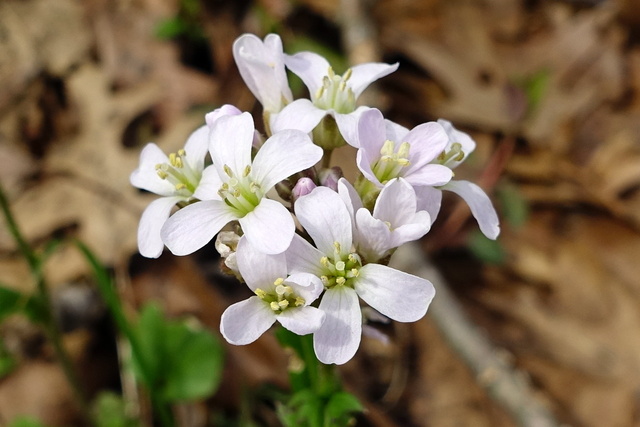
{"x": 548, "y": 89}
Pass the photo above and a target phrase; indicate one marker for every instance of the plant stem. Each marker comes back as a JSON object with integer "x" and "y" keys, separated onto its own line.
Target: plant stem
{"x": 51, "y": 327}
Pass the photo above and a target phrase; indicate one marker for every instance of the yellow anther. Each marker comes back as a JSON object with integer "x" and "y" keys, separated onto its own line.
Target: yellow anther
{"x": 181, "y": 152}
{"x": 162, "y": 174}
{"x": 324, "y": 280}
{"x": 331, "y": 73}
{"x": 403, "y": 151}
{"x": 260, "y": 293}
{"x": 320, "y": 92}
{"x": 180, "y": 186}
{"x": 355, "y": 272}
{"x": 279, "y": 281}
{"x": 247, "y": 171}
{"x": 460, "y": 156}
{"x": 172, "y": 159}
{"x": 283, "y": 304}
{"x": 254, "y": 187}
{"x": 403, "y": 162}
{"x": 342, "y": 86}
{"x": 347, "y": 75}
{"x": 274, "y": 306}
{"x": 228, "y": 171}
{"x": 324, "y": 261}
{"x": 340, "y": 280}
{"x": 336, "y": 245}
{"x": 299, "y": 301}
{"x": 387, "y": 148}
{"x": 178, "y": 162}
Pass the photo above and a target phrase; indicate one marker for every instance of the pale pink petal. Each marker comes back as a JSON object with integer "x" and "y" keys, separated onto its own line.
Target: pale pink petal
{"x": 258, "y": 269}
{"x": 373, "y": 236}
{"x": 338, "y": 338}
{"x": 420, "y": 225}
{"x": 429, "y": 199}
{"x": 365, "y": 74}
{"x": 301, "y": 114}
{"x": 306, "y": 285}
{"x": 348, "y": 125}
{"x": 209, "y": 185}
{"x": 269, "y": 227}
{"x": 364, "y": 160}
{"x": 285, "y": 153}
{"x": 324, "y": 216}
{"x": 302, "y": 257}
{"x": 395, "y": 132}
{"x": 196, "y": 147}
{"x": 427, "y": 141}
{"x": 194, "y": 226}
{"x": 396, "y": 294}
{"x": 310, "y": 67}
{"x": 146, "y": 177}
{"x": 301, "y": 320}
{"x": 351, "y": 200}
{"x": 432, "y": 175}
{"x": 371, "y": 133}
{"x": 243, "y": 322}
{"x": 230, "y": 143}
{"x": 481, "y": 207}
{"x": 153, "y": 218}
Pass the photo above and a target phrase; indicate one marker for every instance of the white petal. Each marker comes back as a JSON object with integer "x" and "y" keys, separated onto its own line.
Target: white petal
{"x": 372, "y": 132}
{"x": 324, "y": 216}
{"x": 427, "y": 141}
{"x": 365, "y": 74}
{"x": 481, "y": 207}
{"x": 243, "y": 322}
{"x": 351, "y": 200}
{"x": 301, "y": 320}
{"x": 258, "y": 269}
{"x": 302, "y": 257}
{"x": 225, "y": 110}
{"x": 396, "y": 203}
{"x": 310, "y": 67}
{"x": 432, "y": 175}
{"x": 364, "y": 160}
{"x": 395, "y": 132}
{"x": 146, "y": 177}
{"x": 230, "y": 143}
{"x": 396, "y": 294}
{"x": 153, "y": 218}
{"x": 197, "y": 146}
{"x": 420, "y": 225}
{"x": 285, "y": 153}
{"x": 308, "y": 286}
{"x": 301, "y": 114}
{"x": 429, "y": 199}
{"x": 194, "y": 226}
{"x": 269, "y": 227}
{"x": 462, "y": 138}
{"x": 348, "y": 125}
{"x": 338, "y": 338}
{"x": 373, "y": 238}
{"x": 209, "y": 185}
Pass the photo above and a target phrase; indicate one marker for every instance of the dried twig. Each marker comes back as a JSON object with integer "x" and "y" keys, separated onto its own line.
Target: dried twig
{"x": 504, "y": 383}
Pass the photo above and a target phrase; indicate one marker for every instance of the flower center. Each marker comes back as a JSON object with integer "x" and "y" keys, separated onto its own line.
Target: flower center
{"x": 454, "y": 154}
{"x": 340, "y": 270}
{"x": 280, "y": 297}
{"x": 240, "y": 192}
{"x": 179, "y": 173}
{"x": 391, "y": 162}
{"x": 335, "y": 93}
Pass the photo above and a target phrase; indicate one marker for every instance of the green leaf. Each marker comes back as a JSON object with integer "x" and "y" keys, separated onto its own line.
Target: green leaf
{"x": 25, "y": 422}
{"x": 7, "y": 361}
{"x": 148, "y": 364}
{"x": 195, "y": 363}
{"x": 515, "y": 208}
{"x": 171, "y": 28}
{"x": 340, "y": 408}
{"x": 110, "y": 411}
{"x": 12, "y": 301}
{"x": 485, "y": 249}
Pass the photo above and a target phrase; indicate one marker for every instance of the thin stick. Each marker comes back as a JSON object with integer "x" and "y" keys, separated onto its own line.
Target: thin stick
{"x": 505, "y": 384}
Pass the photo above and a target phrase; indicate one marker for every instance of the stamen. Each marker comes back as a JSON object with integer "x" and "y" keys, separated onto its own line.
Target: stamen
{"x": 228, "y": 171}
{"x": 274, "y": 306}
{"x": 299, "y": 301}
{"x": 347, "y": 75}
{"x": 247, "y": 171}
{"x": 260, "y": 293}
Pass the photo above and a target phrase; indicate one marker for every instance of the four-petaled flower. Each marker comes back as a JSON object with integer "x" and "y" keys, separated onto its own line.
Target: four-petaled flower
{"x": 397, "y": 295}
{"x": 175, "y": 177}
{"x": 278, "y": 297}
{"x": 235, "y": 188}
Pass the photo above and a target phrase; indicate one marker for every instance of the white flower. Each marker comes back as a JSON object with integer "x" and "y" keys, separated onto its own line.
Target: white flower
{"x": 278, "y": 297}
{"x": 395, "y": 294}
{"x": 235, "y": 188}
{"x": 261, "y": 65}
{"x": 387, "y": 150}
{"x": 331, "y": 94}
{"x": 175, "y": 178}
{"x": 394, "y": 221}
{"x": 459, "y": 146}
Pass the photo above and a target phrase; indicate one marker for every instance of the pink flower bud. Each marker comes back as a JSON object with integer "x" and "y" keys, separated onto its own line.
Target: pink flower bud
{"x": 330, "y": 177}
{"x": 302, "y": 188}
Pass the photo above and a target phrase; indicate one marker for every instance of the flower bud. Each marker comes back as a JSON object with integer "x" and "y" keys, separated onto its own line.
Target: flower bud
{"x": 303, "y": 187}
{"x": 330, "y": 177}
{"x": 226, "y": 245}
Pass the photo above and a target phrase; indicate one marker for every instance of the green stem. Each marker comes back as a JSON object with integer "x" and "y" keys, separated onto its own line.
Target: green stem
{"x": 53, "y": 331}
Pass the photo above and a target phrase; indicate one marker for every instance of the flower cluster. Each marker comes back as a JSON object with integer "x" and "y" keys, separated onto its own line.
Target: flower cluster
{"x": 312, "y": 246}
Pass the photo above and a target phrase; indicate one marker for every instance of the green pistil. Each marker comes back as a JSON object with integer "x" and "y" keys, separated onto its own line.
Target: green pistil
{"x": 280, "y": 297}
{"x": 179, "y": 173}
{"x": 454, "y": 154}
{"x": 391, "y": 162}
{"x": 335, "y": 93}
{"x": 341, "y": 270}
{"x": 241, "y": 193}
